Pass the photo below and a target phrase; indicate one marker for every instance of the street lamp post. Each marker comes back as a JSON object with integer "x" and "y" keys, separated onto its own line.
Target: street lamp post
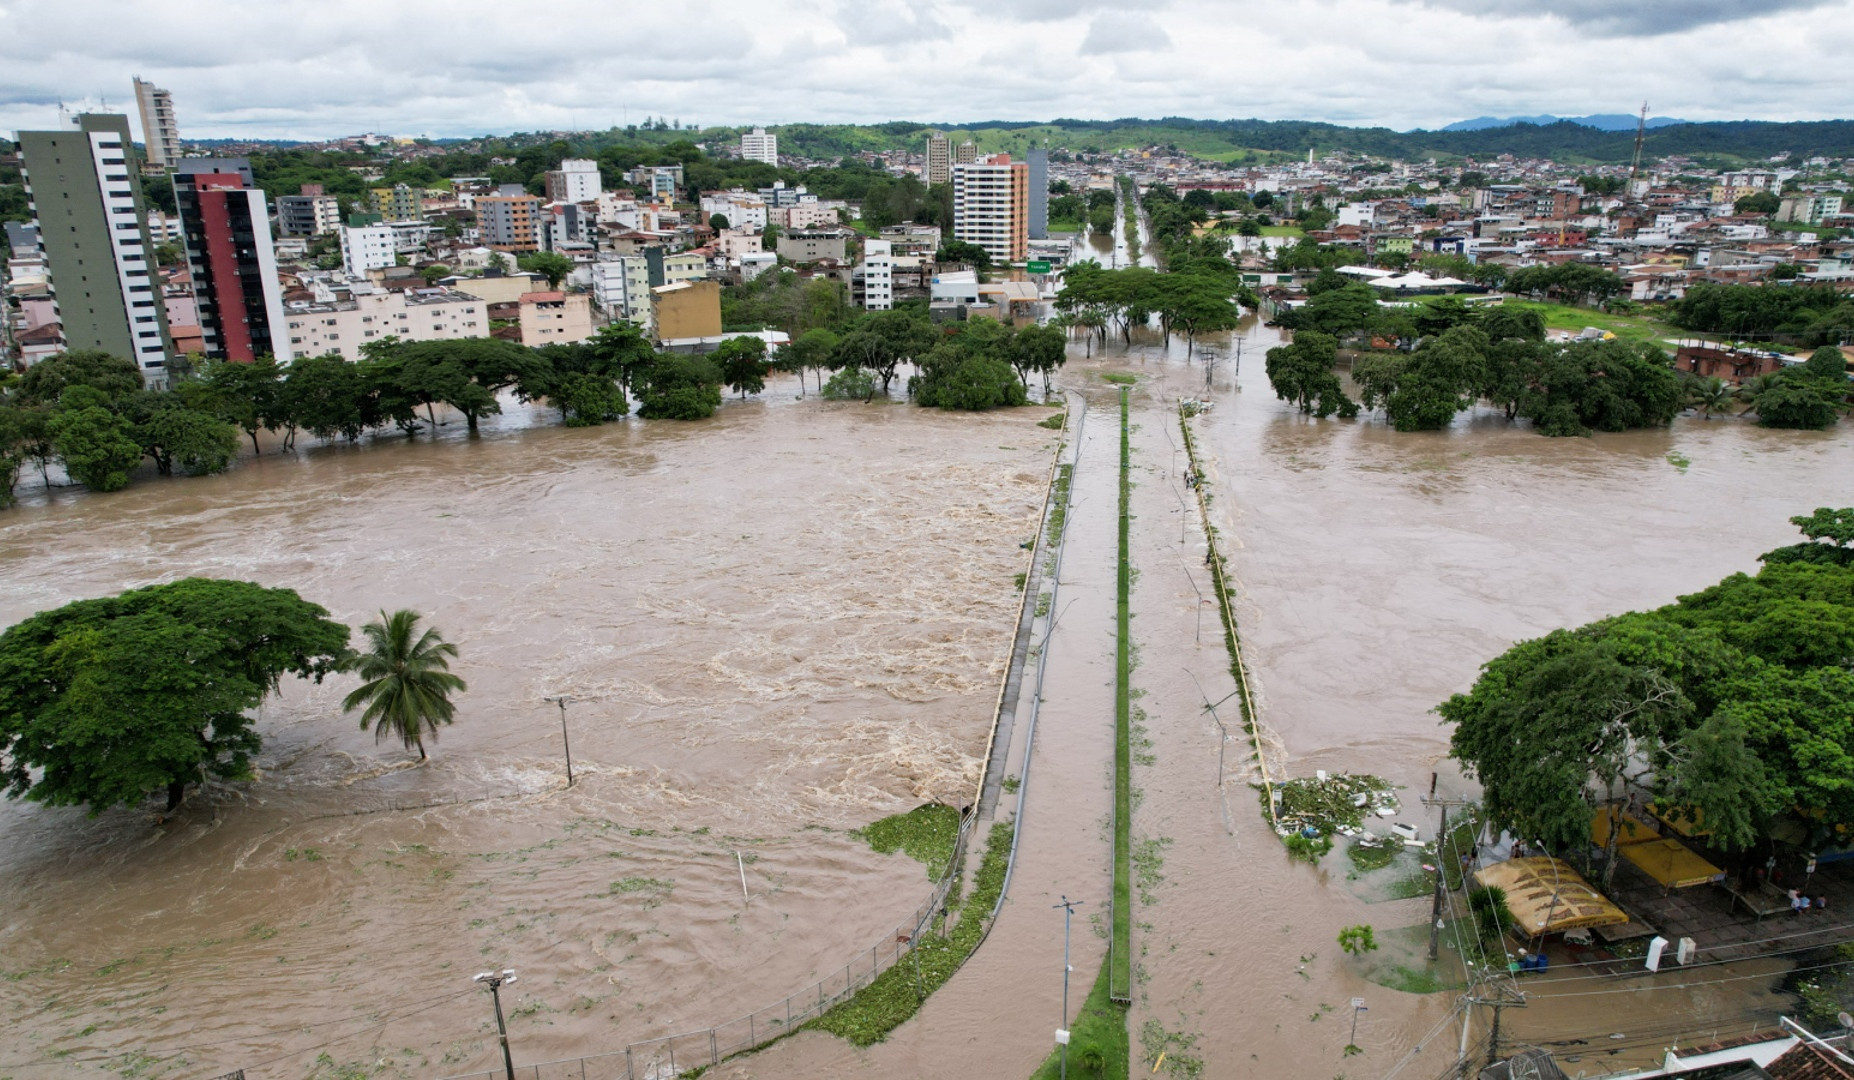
{"x": 495, "y": 981}
{"x": 1062, "y": 1033}
{"x": 564, "y": 742}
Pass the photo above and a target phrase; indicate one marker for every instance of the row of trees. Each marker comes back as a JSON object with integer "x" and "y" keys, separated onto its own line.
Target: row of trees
{"x": 104, "y": 702}
{"x": 1200, "y": 295}
{"x": 1813, "y": 314}
{"x": 1573, "y": 388}
{"x": 1734, "y": 706}
{"x": 90, "y": 412}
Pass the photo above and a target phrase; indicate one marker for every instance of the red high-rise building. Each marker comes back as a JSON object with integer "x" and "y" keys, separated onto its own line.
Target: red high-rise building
{"x": 226, "y": 226}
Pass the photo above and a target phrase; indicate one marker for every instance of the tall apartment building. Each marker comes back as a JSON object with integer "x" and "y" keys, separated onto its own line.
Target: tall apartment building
{"x": 1038, "y": 160}
{"x": 509, "y": 222}
{"x": 576, "y": 180}
{"x": 159, "y": 132}
{"x": 991, "y": 207}
{"x": 621, "y": 287}
{"x": 368, "y": 247}
{"x": 226, "y": 227}
{"x": 965, "y": 153}
{"x": 759, "y": 146}
{"x": 401, "y": 202}
{"x": 878, "y": 275}
{"x": 939, "y": 159}
{"x": 309, "y": 214}
{"x": 94, "y": 232}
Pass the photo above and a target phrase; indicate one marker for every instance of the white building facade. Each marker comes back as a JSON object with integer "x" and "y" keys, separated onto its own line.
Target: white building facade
{"x": 756, "y": 145}
{"x": 367, "y": 247}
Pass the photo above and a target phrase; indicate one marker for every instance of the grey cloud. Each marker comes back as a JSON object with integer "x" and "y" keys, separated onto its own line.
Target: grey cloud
{"x": 1124, "y": 31}
{"x": 1627, "y": 18}
{"x": 890, "y": 22}
{"x": 1052, "y": 10}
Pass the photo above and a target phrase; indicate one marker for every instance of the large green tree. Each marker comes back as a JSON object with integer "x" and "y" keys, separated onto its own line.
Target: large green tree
{"x": 676, "y": 387}
{"x": 103, "y": 702}
{"x": 407, "y": 683}
{"x": 1302, "y": 372}
{"x": 96, "y": 444}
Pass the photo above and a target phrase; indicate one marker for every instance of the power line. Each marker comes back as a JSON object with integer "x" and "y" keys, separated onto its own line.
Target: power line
{"x": 1688, "y": 986}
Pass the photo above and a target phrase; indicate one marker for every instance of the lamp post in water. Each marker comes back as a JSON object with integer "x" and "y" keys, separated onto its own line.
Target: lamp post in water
{"x": 564, "y": 743}
{"x": 495, "y": 981}
{"x": 1062, "y": 1033}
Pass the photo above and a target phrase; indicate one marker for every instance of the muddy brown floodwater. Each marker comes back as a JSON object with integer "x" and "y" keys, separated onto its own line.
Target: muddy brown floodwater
{"x": 1377, "y": 571}
{"x": 775, "y": 626}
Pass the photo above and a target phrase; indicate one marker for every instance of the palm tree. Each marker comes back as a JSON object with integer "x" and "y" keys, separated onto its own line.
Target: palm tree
{"x": 1710, "y": 395}
{"x": 1752, "y": 389}
{"x": 408, "y": 681}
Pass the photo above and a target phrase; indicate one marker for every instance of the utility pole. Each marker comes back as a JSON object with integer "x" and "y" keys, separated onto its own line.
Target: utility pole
{"x": 495, "y": 981}
{"x": 1435, "y": 915}
{"x": 564, "y": 743}
{"x": 1062, "y": 1033}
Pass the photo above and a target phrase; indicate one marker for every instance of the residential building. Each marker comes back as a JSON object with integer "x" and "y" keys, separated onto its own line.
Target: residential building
{"x": 965, "y": 153}
{"x": 236, "y": 293}
{"x": 688, "y": 309}
{"x": 805, "y": 215}
{"x": 1038, "y": 227}
{"x": 509, "y": 222}
{"x": 308, "y": 214}
{"x": 759, "y": 146}
{"x": 814, "y": 245}
{"x": 991, "y": 206}
{"x": 939, "y": 159}
{"x": 878, "y": 275}
{"x": 575, "y": 181}
{"x": 668, "y": 269}
{"x": 498, "y": 288}
{"x": 401, "y": 202}
{"x": 733, "y": 243}
{"x": 160, "y": 135}
{"x": 94, "y": 235}
{"x": 1809, "y": 208}
{"x": 779, "y": 196}
{"x": 21, "y": 236}
{"x": 555, "y": 318}
{"x": 368, "y": 247}
{"x": 742, "y": 211}
{"x": 415, "y": 315}
{"x": 621, "y": 288}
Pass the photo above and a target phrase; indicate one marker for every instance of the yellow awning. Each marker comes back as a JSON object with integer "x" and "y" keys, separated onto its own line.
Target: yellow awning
{"x": 1688, "y": 821}
{"x": 1671, "y": 863}
{"x": 1634, "y": 830}
{"x": 1546, "y": 896}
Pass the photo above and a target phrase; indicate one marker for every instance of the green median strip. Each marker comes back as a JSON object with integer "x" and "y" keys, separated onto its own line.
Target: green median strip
{"x": 1120, "y": 952}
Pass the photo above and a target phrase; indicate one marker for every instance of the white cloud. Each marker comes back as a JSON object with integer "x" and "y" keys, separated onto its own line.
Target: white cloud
{"x": 1124, "y": 31}
{"x": 464, "y": 67}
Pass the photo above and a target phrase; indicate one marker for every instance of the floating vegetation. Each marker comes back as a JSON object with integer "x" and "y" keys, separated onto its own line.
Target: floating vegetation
{"x": 1321, "y": 805}
{"x": 925, "y": 833}
{"x": 1374, "y": 852}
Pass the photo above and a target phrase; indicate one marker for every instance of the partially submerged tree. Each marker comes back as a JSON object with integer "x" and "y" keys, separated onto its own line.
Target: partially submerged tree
{"x": 408, "y": 687}
{"x": 103, "y": 702}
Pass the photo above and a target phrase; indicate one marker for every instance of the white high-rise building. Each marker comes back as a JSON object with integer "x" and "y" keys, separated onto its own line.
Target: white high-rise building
{"x": 621, "y": 288}
{"x": 367, "y": 247}
{"x": 878, "y": 272}
{"x": 576, "y": 180}
{"x": 759, "y": 146}
{"x": 160, "y": 134}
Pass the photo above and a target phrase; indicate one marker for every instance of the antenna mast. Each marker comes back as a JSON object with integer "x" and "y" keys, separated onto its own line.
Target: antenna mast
{"x": 1641, "y": 133}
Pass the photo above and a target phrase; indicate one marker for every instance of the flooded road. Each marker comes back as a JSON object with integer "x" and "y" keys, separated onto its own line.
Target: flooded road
{"x": 775, "y": 627}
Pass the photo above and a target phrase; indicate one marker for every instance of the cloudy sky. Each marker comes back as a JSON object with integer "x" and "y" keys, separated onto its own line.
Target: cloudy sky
{"x": 322, "y": 68}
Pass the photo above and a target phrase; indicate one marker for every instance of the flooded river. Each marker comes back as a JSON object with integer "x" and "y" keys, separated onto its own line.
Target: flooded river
{"x": 788, "y": 621}
{"x": 775, "y": 626}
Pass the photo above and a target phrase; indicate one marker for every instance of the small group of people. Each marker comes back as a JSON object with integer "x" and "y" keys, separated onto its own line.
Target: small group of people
{"x": 1800, "y": 903}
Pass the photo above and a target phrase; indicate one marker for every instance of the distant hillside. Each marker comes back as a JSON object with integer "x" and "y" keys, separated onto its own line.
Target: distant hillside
{"x": 1600, "y": 121}
{"x": 1259, "y": 141}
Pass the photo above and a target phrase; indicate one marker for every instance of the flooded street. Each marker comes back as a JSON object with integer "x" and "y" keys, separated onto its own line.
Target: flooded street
{"x": 775, "y": 627}
{"x": 783, "y": 623}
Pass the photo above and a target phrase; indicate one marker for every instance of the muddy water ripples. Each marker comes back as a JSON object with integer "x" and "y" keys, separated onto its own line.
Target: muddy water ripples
{"x": 775, "y": 626}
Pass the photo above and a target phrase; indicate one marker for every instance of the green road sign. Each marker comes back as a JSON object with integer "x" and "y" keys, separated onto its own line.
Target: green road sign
{"x": 1037, "y": 266}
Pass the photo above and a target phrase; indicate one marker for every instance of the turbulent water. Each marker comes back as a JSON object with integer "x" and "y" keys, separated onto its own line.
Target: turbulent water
{"x": 774, "y": 626}
{"x": 784, "y": 622}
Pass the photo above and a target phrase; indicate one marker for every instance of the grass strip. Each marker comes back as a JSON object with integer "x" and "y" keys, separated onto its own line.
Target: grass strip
{"x": 896, "y": 994}
{"x": 1099, "y": 1048}
{"x": 1120, "y": 953}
